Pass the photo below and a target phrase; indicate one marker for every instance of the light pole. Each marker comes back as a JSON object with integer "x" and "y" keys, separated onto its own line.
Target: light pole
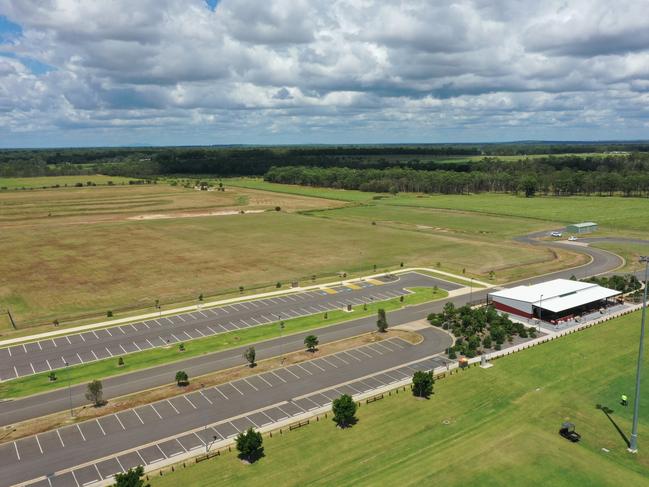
{"x": 633, "y": 444}
{"x": 540, "y": 310}
{"x": 67, "y": 373}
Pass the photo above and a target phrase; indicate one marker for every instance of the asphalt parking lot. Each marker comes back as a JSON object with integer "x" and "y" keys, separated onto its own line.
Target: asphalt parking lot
{"x": 53, "y": 354}
{"x": 161, "y": 430}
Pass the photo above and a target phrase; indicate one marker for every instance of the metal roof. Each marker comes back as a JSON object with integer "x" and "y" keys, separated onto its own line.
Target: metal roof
{"x": 557, "y": 295}
{"x": 584, "y": 224}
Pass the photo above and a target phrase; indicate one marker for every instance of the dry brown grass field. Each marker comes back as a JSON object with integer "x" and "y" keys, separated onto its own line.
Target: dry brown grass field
{"x": 73, "y": 252}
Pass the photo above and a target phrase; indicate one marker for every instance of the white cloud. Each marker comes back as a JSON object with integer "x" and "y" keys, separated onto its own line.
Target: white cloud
{"x": 174, "y": 71}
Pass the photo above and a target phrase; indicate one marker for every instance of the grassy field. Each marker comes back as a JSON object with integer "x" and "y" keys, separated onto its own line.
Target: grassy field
{"x": 495, "y": 427}
{"x": 333, "y": 194}
{"x": 617, "y": 213}
{"x": 439, "y": 221}
{"x": 49, "y": 181}
{"x": 78, "y": 374}
{"x": 110, "y": 265}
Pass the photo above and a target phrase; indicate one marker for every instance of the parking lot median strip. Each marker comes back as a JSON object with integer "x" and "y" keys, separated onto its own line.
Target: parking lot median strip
{"x": 75, "y": 374}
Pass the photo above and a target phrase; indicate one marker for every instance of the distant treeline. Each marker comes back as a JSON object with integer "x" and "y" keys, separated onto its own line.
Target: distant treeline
{"x": 256, "y": 161}
{"x": 498, "y": 177}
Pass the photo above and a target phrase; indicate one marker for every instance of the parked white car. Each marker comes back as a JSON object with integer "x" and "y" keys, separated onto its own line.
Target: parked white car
{"x": 572, "y": 238}
{"x": 555, "y": 234}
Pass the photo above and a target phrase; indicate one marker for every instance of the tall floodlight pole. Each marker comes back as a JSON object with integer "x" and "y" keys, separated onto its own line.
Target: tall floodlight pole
{"x": 540, "y": 310}
{"x": 633, "y": 444}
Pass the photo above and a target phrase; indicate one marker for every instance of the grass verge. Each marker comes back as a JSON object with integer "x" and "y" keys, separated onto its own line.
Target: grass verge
{"x": 497, "y": 426}
{"x": 39, "y": 383}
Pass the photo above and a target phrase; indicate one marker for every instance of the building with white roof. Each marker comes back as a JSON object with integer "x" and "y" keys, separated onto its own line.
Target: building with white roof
{"x": 552, "y": 300}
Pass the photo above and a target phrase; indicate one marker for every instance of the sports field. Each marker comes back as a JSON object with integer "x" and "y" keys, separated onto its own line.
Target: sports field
{"x": 495, "y": 427}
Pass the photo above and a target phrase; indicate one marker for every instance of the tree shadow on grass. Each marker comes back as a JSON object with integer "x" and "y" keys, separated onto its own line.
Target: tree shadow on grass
{"x": 253, "y": 457}
{"x": 608, "y": 411}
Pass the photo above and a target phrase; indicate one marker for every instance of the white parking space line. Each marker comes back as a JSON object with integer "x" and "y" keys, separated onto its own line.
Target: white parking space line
{"x": 53, "y": 343}
{"x": 191, "y": 403}
{"x": 224, "y": 328}
{"x": 286, "y": 415}
{"x": 235, "y": 388}
{"x": 78, "y": 356}
{"x": 383, "y": 346}
{"x": 109, "y": 352}
{"x": 212, "y": 330}
{"x": 100, "y": 427}
{"x": 277, "y": 376}
{"x": 149, "y": 342}
{"x": 294, "y": 375}
{"x": 305, "y": 370}
{"x": 242, "y": 304}
{"x": 120, "y": 422}
{"x": 147, "y": 325}
{"x": 156, "y": 411}
{"x": 372, "y": 347}
{"x": 397, "y": 344}
{"x": 337, "y": 356}
{"x": 175, "y": 337}
{"x": 262, "y": 378}
{"x": 316, "y": 365}
{"x": 81, "y": 432}
{"x": 203, "y": 314}
{"x": 352, "y": 356}
{"x": 248, "y": 382}
{"x": 205, "y": 397}
{"x": 363, "y": 352}
{"x": 316, "y": 404}
{"x": 352, "y": 387}
{"x": 138, "y": 416}
{"x": 60, "y": 439}
{"x": 200, "y": 332}
{"x": 171, "y": 404}
{"x": 39, "y": 444}
{"x": 226, "y": 311}
{"x": 94, "y": 354}
{"x": 330, "y": 363}
{"x": 108, "y": 331}
{"x": 270, "y": 420}
{"x": 32, "y": 366}
{"x": 219, "y": 391}
{"x": 180, "y": 317}
{"x": 253, "y": 319}
{"x": 123, "y": 350}
{"x": 75, "y": 479}
{"x": 248, "y": 418}
{"x": 17, "y": 453}
{"x": 188, "y": 335}
{"x": 68, "y": 339}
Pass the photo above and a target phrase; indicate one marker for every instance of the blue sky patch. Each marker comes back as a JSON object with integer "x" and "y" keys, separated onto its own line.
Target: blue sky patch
{"x": 8, "y": 30}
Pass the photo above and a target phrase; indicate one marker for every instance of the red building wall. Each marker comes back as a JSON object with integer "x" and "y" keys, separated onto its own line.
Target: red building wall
{"x": 510, "y": 309}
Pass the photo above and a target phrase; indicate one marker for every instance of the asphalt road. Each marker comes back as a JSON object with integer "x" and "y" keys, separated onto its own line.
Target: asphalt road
{"x": 14, "y": 411}
{"x": 234, "y": 406}
{"x": 54, "y": 354}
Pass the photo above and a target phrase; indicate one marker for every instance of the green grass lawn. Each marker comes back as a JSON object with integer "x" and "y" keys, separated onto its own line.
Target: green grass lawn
{"x": 77, "y": 374}
{"x": 438, "y": 221}
{"x": 49, "y": 181}
{"x": 494, "y": 427}
{"x": 629, "y": 214}
{"x": 630, "y": 251}
{"x": 333, "y": 194}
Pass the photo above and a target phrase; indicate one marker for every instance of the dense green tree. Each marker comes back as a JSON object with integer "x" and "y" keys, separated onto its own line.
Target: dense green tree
{"x": 250, "y": 445}
{"x": 131, "y": 478}
{"x": 382, "y": 321}
{"x": 95, "y": 392}
{"x": 422, "y": 383}
{"x": 344, "y": 409}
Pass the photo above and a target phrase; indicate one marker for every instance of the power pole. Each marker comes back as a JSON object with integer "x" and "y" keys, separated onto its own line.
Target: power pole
{"x": 633, "y": 444}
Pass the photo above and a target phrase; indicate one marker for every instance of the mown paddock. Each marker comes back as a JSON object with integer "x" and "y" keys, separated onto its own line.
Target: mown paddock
{"x": 440, "y": 221}
{"x": 611, "y": 213}
{"x": 107, "y": 265}
{"x": 497, "y": 426}
{"x": 63, "y": 181}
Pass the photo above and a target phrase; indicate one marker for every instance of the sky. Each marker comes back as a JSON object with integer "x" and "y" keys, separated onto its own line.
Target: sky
{"x": 194, "y": 72}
